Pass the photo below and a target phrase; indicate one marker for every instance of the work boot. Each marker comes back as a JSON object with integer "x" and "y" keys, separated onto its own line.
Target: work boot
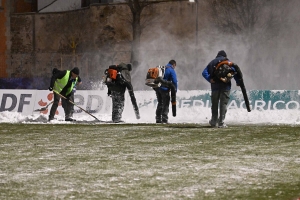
{"x": 70, "y": 120}
{"x": 50, "y": 118}
{"x": 213, "y": 125}
{"x": 158, "y": 120}
{"x": 222, "y": 125}
{"x": 118, "y": 121}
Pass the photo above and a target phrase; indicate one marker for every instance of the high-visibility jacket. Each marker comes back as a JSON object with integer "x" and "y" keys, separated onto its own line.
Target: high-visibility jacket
{"x": 61, "y": 83}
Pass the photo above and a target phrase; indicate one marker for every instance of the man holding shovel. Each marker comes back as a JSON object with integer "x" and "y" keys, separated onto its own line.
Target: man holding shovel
{"x": 63, "y": 82}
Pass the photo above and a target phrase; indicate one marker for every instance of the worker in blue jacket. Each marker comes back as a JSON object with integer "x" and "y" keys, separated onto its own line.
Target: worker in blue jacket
{"x": 163, "y": 93}
{"x": 220, "y": 88}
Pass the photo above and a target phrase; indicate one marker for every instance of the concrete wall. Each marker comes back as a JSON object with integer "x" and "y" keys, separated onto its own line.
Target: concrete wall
{"x": 102, "y": 36}
{"x": 3, "y": 37}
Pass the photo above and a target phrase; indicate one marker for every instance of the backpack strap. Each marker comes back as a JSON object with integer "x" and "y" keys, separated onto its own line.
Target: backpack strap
{"x": 223, "y": 71}
{"x": 226, "y": 62}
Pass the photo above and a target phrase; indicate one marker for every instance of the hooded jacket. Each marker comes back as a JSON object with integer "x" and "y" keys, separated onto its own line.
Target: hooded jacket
{"x": 170, "y": 75}
{"x": 208, "y": 73}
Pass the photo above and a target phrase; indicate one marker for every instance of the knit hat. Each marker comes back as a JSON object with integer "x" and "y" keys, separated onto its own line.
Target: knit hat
{"x": 222, "y": 53}
{"x": 75, "y": 70}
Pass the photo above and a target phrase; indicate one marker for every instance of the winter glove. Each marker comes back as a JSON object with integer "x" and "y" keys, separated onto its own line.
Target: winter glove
{"x": 109, "y": 93}
{"x": 50, "y": 88}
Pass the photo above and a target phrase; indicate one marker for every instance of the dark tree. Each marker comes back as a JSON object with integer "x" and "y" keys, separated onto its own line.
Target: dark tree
{"x": 139, "y": 22}
{"x": 247, "y": 17}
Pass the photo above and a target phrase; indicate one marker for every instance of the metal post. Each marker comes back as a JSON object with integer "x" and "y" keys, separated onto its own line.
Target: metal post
{"x": 196, "y": 17}
{"x": 196, "y": 34}
{"x": 196, "y": 23}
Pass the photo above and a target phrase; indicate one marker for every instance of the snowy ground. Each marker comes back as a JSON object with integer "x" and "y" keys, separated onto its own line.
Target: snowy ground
{"x": 148, "y": 161}
{"x": 257, "y": 157}
{"x": 184, "y": 115}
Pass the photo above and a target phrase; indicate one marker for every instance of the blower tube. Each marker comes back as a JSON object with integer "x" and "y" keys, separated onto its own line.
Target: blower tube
{"x": 133, "y": 100}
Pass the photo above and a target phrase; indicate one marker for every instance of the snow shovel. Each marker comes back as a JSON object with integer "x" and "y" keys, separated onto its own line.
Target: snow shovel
{"x": 44, "y": 108}
{"x": 76, "y": 105}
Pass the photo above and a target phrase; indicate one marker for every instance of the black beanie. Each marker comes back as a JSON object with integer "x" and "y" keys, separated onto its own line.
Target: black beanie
{"x": 222, "y": 53}
{"x": 75, "y": 70}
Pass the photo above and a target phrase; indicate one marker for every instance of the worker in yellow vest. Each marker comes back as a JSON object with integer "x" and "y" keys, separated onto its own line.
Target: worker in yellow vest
{"x": 63, "y": 82}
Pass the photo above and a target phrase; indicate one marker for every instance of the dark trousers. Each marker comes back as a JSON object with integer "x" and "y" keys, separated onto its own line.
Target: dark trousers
{"x": 72, "y": 97}
{"x": 219, "y": 101}
{"x": 67, "y": 106}
{"x": 163, "y": 103}
{"x": 118, "y": 100}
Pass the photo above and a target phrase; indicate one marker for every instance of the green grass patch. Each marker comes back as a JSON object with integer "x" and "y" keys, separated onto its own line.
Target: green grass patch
{"x": 149, "y": 161}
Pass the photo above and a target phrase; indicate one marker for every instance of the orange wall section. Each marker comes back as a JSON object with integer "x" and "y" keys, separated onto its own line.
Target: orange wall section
{"x": 22, "y": 7}
{"x": 19, "y": 6}
{"x": 3, "y": 39}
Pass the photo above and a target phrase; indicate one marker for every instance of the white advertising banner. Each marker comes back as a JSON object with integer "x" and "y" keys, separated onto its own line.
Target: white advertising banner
{"x": 97, "y": 101}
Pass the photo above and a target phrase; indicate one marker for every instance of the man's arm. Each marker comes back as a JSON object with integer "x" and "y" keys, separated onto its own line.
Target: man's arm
{"x": 205, "y": 74}
{"x": 174, "y": 78}
{"x": 79, "y": 82}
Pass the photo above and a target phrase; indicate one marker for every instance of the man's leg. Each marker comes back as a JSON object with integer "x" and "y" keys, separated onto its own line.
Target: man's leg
{"x": 54, "y": 106}
{"x": 118, "y": 100}
{"x": 159, "y": 107}
{"x": 165, "y": 105}
{"x": 224, "y": 99}
{"x": 215, "y": 95}
{"x": 68, "y": 107}
{"x": 72, "y": 99}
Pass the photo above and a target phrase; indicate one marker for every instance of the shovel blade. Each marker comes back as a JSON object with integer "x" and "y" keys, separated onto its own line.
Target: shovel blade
{"x": 39, "y": 110}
